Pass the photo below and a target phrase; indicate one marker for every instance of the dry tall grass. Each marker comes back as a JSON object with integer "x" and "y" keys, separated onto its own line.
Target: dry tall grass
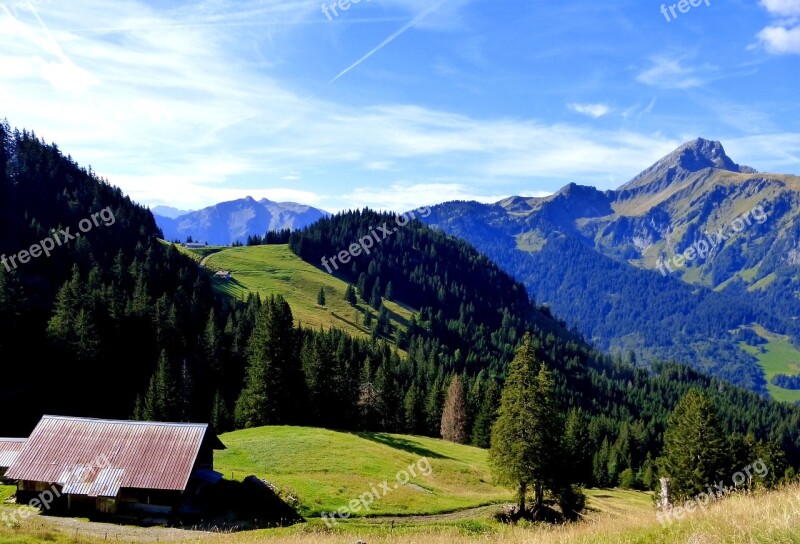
{"x": 772, "y": 517}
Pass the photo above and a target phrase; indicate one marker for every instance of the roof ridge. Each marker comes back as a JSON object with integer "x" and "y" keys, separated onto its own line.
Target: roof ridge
{"x": 125, "y": 421}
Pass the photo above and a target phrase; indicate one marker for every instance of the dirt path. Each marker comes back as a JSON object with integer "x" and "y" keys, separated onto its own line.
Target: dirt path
{"x": 480, "y": 511}
{"x": 126, "y": 533}
{"x": 111, "y": 532}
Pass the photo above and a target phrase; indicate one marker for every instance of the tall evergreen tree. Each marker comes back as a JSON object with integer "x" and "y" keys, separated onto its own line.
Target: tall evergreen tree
{"x": 220, "y": 420}
{"x": 161, "y": 400}
{"x": 525, "y": 442}
{"x": 413, "y": 411}
{"x": 577, "y": 447}
{"x": 375, "y": 298}
{"x": 271, "y": 382}
{"x": 350, "y": 295}
{"x": 695, "y": 449}
{"x": 434, "y": 402}
{"x": 321, "y": 297}
{"x": 482, "y": 429}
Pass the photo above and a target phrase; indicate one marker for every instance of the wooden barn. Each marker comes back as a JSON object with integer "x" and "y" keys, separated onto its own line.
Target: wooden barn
{"x": 115, "y": 467}
{"x": 10, "y": 449}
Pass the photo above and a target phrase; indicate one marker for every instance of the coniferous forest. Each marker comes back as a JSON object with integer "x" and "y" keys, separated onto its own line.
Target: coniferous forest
{"x": 120, "y": 324}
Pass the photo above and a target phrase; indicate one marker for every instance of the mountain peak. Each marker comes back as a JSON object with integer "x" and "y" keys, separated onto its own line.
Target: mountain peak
{"x": 701, "y": 153}
{"x": 689, "y": 158}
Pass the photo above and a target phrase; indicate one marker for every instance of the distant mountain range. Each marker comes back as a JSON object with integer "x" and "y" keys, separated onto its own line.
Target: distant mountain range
{"x": 169, "y": 211}
{"x": 230, "y": 222}
{"x": 676, "y": 264}
{"x": 682, "y": 263}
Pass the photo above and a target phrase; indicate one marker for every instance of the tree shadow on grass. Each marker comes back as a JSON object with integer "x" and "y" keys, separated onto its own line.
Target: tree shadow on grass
{"x": 404, "y": 444}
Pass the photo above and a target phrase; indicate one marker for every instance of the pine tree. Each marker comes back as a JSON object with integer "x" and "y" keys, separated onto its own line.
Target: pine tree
{"x": 482, "y": 429}
{"x": 434, "y": 402}
{"x": 361, "y": 286}
{"x": 412, "y": 410}
{"x": 525, "y": 444}
{"x": 350, "y": 295}
{"x": 695, "y": 451}
{"x": 138, "y": 409}
{"x": 211, "y": 344}
{"x": 600, "y": 464}
{"x": 578, "y": 451}
{"x": 383, "y": 325}
{"x": 368, "y": 399}
{"x": 220, "y": 418}
{"x": 271, "y": 388}
{"x": 85, "y": 342}
{"x": 186, "y": 392}
{"x": 375, "y": 298}
{"x": 321, "y": 297}
{"x": 454, "y": 415}
{"x": 161, "y": 400}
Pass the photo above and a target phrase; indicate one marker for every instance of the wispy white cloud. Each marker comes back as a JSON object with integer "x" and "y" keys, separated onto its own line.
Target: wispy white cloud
{"x": 592, "y": 110}
{"x": 669, "y": 73}
{"x": 403, "y": 196}
{"x": 776, "y": 153}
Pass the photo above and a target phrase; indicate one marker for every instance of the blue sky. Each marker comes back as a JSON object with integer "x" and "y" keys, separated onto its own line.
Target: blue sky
{"x": 396, "y": 104}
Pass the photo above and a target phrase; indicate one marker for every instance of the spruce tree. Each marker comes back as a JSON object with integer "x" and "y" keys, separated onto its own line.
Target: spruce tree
{"x": 375, "y": 298}
{"x": 695, "y": 452}
{"x": 412, "y": 410}
{"x": 211, "y": 344}
{"x": 321, "y": 297}
{"x": 161, "y": 400}
{"x": 220, "y": 419}
{"x": 525, "y": 443}
{"x": 482, "y": 429}
{"x": 577, "y": 446}
{"x": 274, "y": 377}
{"x": 433, "y": 406}
{"x": 454, "y": 415}
{"x": 350, "y": 295}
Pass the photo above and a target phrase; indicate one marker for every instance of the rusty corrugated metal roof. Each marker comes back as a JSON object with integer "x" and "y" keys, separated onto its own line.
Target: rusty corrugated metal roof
{"x": 96, "y": 456}
{"x": 10, "y": 449}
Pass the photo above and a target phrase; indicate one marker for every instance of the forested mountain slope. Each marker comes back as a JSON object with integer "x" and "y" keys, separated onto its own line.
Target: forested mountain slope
{"x": 597, "y": 258}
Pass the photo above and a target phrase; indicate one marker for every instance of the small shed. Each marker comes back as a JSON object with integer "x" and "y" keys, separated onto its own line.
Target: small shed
{"x": 10, "y": 449}
{"x": 223, "y": 274}
{"x": 111, "y": 466}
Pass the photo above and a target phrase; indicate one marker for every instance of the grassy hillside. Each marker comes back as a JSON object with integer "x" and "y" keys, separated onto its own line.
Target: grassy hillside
{"x": 777, "y": 356}
{"x": 196, "y": 254}
{"x": 274, "y": 269}
{"x": 327, "y": 469}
